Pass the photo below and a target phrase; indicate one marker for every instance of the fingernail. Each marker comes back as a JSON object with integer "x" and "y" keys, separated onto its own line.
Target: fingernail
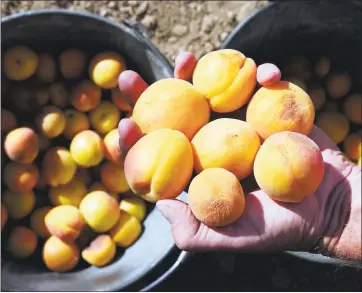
{"x": 166, "y": 210}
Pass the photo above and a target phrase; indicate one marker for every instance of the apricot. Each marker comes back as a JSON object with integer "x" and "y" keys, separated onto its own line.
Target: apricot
{"x": 85, "y": 96}
{"x": 59, "y": 95}
{"x": 19, "y": 63}
{"x": 280, "y": 107}
{"x": 322, "y": 67}
{"x": 83, "y": 175}
{"x": 352, "y": 108}
{"x": 71, "y": 193}
{"x": 50, "y": 121}
{"x": 65, "y": 222}
{"x": 75, "y": 122}
{"x": 72, "y": 63}
{"x": 22, "y": 242}
{"x": 21, "y": 177}
{"x": 60, "y": 256}
{"x": 25, "y": 98}
{"x": 216, "y": 197}
{"x": 100, "y": 210}
{"x": 297, "y": 81}
{"x": 18, "y": 204}
{"x": 87, "y": 148}
{"x": 37, "y": 222}
{"x": 359, "y": 162}
{"x": 297, "y": 66}
{"x": 134, "y": 206}
{"x": 334, "y": 124}
{"x": 119, "y": 100}
{"x": 318, "y": 96}
{"x": 112, "y": 148}
{"x": 353, "y": 146}
{"x": 104, "y": 117}
{"x": 105, "y": 68}
{"x": 159, "y": 165}
{"x": 338, "y": 85}
{"x": 42, "y": 96}
{"x": 4, "y": 216}
{"x": 226, "y": 78}
{"x": 100, "y": 252}
{"x": 8, "y": 121}
{"x": 99, "y": 186}
{"x": 168, "y": 103}
{"x": 113, "y": 177}
{"x": 46, "y": 71}
{"x": 22, "y": 145}
{"x": 289, "y": 166}
{"x": 126, "y": 231}
{"x": 58, "y": 166}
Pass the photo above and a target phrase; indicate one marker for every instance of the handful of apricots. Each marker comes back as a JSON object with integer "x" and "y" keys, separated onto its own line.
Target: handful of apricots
{"x": 66, "y": 198}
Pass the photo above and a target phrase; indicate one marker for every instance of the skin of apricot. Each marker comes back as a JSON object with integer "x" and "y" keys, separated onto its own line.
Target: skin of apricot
{"x": 112, "y": 148}
{"x": 352, "y": 108}
{"x": 21, "y": 177}
{"x": 100, "y": 252}
{"x": 359, "y": 161}
{"x": 113, "y": 177}
{"x": 75, "y": 122}
{"x": 51, "y": 121}
{"x": 233, "y": 148}
{"x": 71, "y": 193}
{"x": 65, "y": 222}
{"x": 46, "y": 71}
{"x": 134, "y": 206}
{"x": 60, "y": 256}
{"x": 216, "y": 197}
{"x": 226, "y": 78}
{"x": 18, "y": 204}
{"x": 100, "y": 210}
{"x": 318, "y": 96}
{"x": 119, "y": 100}
{"x": 4, "y": 216}
{"x": 280, "y": 107}
{"x": 353, "y": 146}
{"x": 169, "y": 103}
{"x": 72, "y": 63}
{"x": 37, "y": 222}
{"x": 104, "y": 117}
{"x": 289, "y": 166}
{"x": 19, "y": 63}
{"x": 99, "y": 186}
{"x": 8, "y": 121}
{"x": 126, "y": 231}
{"x": 105, "y": 68}
{"x": 59, "y": 95}
{"x": 334, "y": 124}
{"x": 83, "y": 175}
{"x": 338, "y": 85}
{"x": 159, "y": 165}
{"x": 85, "y": 96}
{"x": 87, "y": 149}
{"x": 22, "y": 242}
{"x": 22, "y": 145}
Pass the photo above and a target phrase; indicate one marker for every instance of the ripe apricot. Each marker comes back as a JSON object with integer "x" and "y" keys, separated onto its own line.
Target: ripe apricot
{"x": 289, "y": 166}
{"x": 226, "y": 143}
{"x": 317, "y": 95}
{"x": 22, "y": 145}
{"x": 226, "y": 78}
{"x": 21, "y": 177}
{"x": 19, "y": 62}
{"x": 46, "y": 71}
{"x": 37, "y": 222}
{"x": 216, "y": 197}
{"x": 99, "y": 186}
{"x": 50, "y": 121}
{"x": 112, "y": 148}
{"x": 4, "y": 215}
{"x": 71, "y": 193}
{"x": 85, "y": 96}
{"x": 22, "y": 242}
{"x": 100, "y": 252}
{"x": 334, "y": 124}
{"x": 75, "y": 122}
{"x": 353, "y": 146}
{"x": 72, "y": 63}
{"x": 105, "y": 68}
{"x": 100, "y": 210}
{"x": 18, "y": 204}
{"x": 65, "y": 222}
{"x": 60, "y": 256}
{"x": 280, "y": 107}
{"x": 134, "y": 206}
{"x": 59, "y": 95}
{"x": 113, "y": 177}
{"x": 119, "y": 100}
{"x": 8, "y": 121}
{"x": 104, "y": 117}
{"x": 87, "y": 148}
{"x": 168, "y": 103}
{"x": 352, "y": 108}
{"x": 338, "y": 85}
{"x": 322, "y": 67}
{"x": 126, "y": 231}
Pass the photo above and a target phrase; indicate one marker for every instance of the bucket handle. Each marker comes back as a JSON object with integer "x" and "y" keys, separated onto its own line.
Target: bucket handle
{"x": 139, "y": 27}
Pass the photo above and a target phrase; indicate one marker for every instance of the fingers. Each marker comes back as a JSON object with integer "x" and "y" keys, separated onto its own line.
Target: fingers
{"x": 185, "y": 64}
{"x": 131, "y": 85}
{"x": 268, "y": 74}
{"x": 129, "y": 134}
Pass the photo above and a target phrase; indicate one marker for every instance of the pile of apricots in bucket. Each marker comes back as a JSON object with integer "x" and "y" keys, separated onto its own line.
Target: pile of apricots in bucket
{"x": 182, "y": 148}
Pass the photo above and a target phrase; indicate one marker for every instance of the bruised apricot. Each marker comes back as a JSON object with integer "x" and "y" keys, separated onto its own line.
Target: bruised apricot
{"x": 119, "y": 100}
{"x": 226, "y": 78}
{"x": 72, "y": 63}
{"x": 134, "y": 206}
{"x": 226, "y": 143}
{"x": 21, "y": 177}
{"x": 113, "y": 177}
{"x": 353, "y": 146}
{"x": 334, "y": 124}
{"x": 159, "y": 165}
{"x": 18, "y": 204}
{"x": 71, "y": 193}
{"x": 50, "y": 121}
{"x": 280, "y": 107}
{"x": 22, "y": 242}
{"x": 46, "y": 70}
{"x": 65, "y": 222}
{"x": 37, "y": 222}
{"x": 112, "y": 148}
{"x": 8, "y": 121}
{"x": 352, "y": 108}
{"x": 85, "y": 96}
{"x": 100, "y": 252}
{"x": 4, "y": 216}
{"x": 126, "y": 231}
{"x": 289, "y": 166}
{"x": 338, "y": 85}
{"x": 169, "y": 103}
{"x": 60, "y": 256}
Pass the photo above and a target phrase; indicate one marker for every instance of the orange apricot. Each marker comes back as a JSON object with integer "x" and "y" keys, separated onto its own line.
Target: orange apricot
{"x": 50, "y": 121}
{"x": 8, "y": 121}
{"x": 119, "y": 100}
{"x": 18, "y": 204}
{"x": 22, "y": 242}
{"x": 100, "y": 252}
{"x": 99, "y": 186}
{"x": 21, "y": 177}
{"x": 112, "y": 148}
{"x": 338, "y": 85}
{"x": 85, "y": 96}
{"x": 126, "y": 231}
{"x": 334, "y": 124}
{"x": 353, "y": 146}
{"x": 113, "y": 177}
{"x": 75, "y": 122}
{"x": 318, "y": 96}
{"x": 72, "y": 63}
{"x": 134, "y": 206}
{"x": 71, "y": 193}
{"x": 104, "y": 117}
{"x": 352, "y": 108}
{"x": 47, "y": 69}
{"x": 37, "y": 222}
{"x": 59, "y": 95}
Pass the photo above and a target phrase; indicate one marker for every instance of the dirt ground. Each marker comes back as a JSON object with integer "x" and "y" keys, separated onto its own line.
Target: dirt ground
{"x": 196, "y": 26}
